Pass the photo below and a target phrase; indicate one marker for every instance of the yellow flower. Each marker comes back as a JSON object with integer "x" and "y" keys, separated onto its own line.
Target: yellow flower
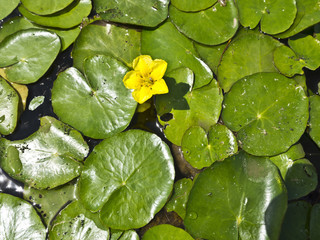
{"x": 146, "y": 78}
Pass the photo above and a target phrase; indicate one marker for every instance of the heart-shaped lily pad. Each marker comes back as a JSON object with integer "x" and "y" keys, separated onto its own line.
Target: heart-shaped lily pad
{"x": 249, "y": 53}
{"x": 75, "y": 222}
{"x": 129, "y": 177}
{"x": 41, "y": 7}
{"x": 274, "y": 113}
{"x": 201, "y": 149}
{"x": 315, "y": 119}
{"x": 192, "y": 5}
{"x": 7, "y": 6}
{"x": 192, "y": 107}
{"x": 46, "y": 159}
{"x": 214, "y": 25}
{"x": 104, "y": 106}
{"x": 121, "y": 43}
{"x": 9, "y": 104}
{"x": 240, "y": 198}
{"x": 166, "y": 232}
{"x": 167, "y": 43}
{"x": 149, "y": 13}
{"x": 23, "y": 61}
{"x": 67, "y": 18}
{"x": 19, "y": 220}
{"x": 275, "y": 16}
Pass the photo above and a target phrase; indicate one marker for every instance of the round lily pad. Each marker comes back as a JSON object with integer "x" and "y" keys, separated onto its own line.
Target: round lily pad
{"x": 268, "y": 111}
{"x": 240, "y": 198}
{"x": 149, "y": 13}
{"x": 103, "y": 105}
{"x": 7, "y": 6}
{"x": 121, "y": 43}
{"x": 19, "y": 220}
{"x": 201, "y": 149}
{"x": 23, "y": 61}
{"x": 167, "y": 43}
{"x": 214, "y": 26}
{"x": 192, "y": 5}
{"x": 166, "y": 232}
{"x": 67, "y": 18}
{"x": 46, "y": 159}
{"x": 129, "y": 177}
{"x": 9, "y": 104}
{"x": 75, "y": 222}
{"x": 41, "y": 7}
{"x": 314, "y": 124}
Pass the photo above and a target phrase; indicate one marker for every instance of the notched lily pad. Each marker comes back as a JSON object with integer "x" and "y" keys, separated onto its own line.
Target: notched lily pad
{"x": 41, "y": 7}
{"x": 166, "y": 232}
{"x": 314, "y": 123}
{"x": 104, "y": 106}
{"x": 129, "y": 177}
{"x": 46, "y": 159}
{"x": 274, "y": 113}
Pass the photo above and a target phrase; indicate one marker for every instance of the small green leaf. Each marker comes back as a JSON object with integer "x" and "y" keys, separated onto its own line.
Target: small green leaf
{"x": 36, "y": 102}
{"x": 40, "y": 7}
{"x": 166, "y": 232}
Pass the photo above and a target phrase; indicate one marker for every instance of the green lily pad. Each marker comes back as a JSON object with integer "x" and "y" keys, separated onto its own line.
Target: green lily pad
{"x": 129, "y": 235}
{"x": 9, "y": 104}
{"x": 23, "y": 61}
{"x": 167, "y": 43}
{"x": 274, "y": 16}
{"x": 121, "y": 43}
{"x": 166, "y": 232}
{"x": 36, "y": 102}
{"x": 192, "y": 5}
{"x": 178, "y": 200}
{"x": 299, "y": 175}
{"x": 274, "y": 113}
{"x": 104, "y": 106}
{"x": 46, "y": 159}
{"x": 295, "y": 224}
{"x": 129, "y": 177}
{"x": 148, "y": 13}
{"x": 302, "y": 81}
{"x": 314, "y": 123}
{"x": 314, "y": 222}
{"x": 192, "y": 107}
{"x": 75, "y": 222}
{"x": 16, "y": 24}
{"x": 240, "y": 198}
{"x": 307, "y": 15}
{"x": 67, "y": 18}
{"x": 214, "y": 25}
{"x": 19, "y": 220}
{"x": 201, "y": 149}
{"x": 41, "y": 7}
{"x": 7, "y": 6}
{"x": 49, "y": 202}
{"x": 249, "y": 53}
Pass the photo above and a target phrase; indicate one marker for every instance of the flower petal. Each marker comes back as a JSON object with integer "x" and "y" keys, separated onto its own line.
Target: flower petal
{"x": 141, "y": 95}
{"x": 132, "y": 80}
{"x": 158, "y": 69}
{"x": 159, "y": 87}
{"x": 143, "y": 64}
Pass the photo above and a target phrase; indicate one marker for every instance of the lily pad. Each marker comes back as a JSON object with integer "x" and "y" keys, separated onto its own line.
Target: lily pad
{"x": 167, "y": 43}
{"x": 23, "y": 92}
{"x": 104, "y": 106}
{"x": 249, "y": 53}
{"x": 75, "y": 222}
{"x": 192, "y": 5}
{"x": 23, "y": 61}
{"x": 9, "y": 104}
{"x": 201, "y": 149}
{"x": 240, "y": 198}
{"x": 7, "y": 6}
{"x": 274, "y": 16}
{"x": 307, "y": 15}
{"x": 19, "y": 220}
{"x": 166, "y": 232}
{"x": 192, "y": 107}
{"x": 46, "y": 159}
{"x": 36, "y": 102}
{"x": 121, "y": 43}
{"x": 41, "y": 7}
{"x": 214, "y": 25}
{"x": 129, "y": 235}
{"x": 314, "y": 222}
{"x": 129, "y": 177}
{"x": 178, "y": 200}
{"x": 148, "y": 13}
{"x": 67, "y": 18}
{"x": 314, "y": 123}
{"x": 274, "y": 113}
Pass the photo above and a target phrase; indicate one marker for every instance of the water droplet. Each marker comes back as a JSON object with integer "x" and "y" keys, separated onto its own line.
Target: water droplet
{"x": 193, "y": 215}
